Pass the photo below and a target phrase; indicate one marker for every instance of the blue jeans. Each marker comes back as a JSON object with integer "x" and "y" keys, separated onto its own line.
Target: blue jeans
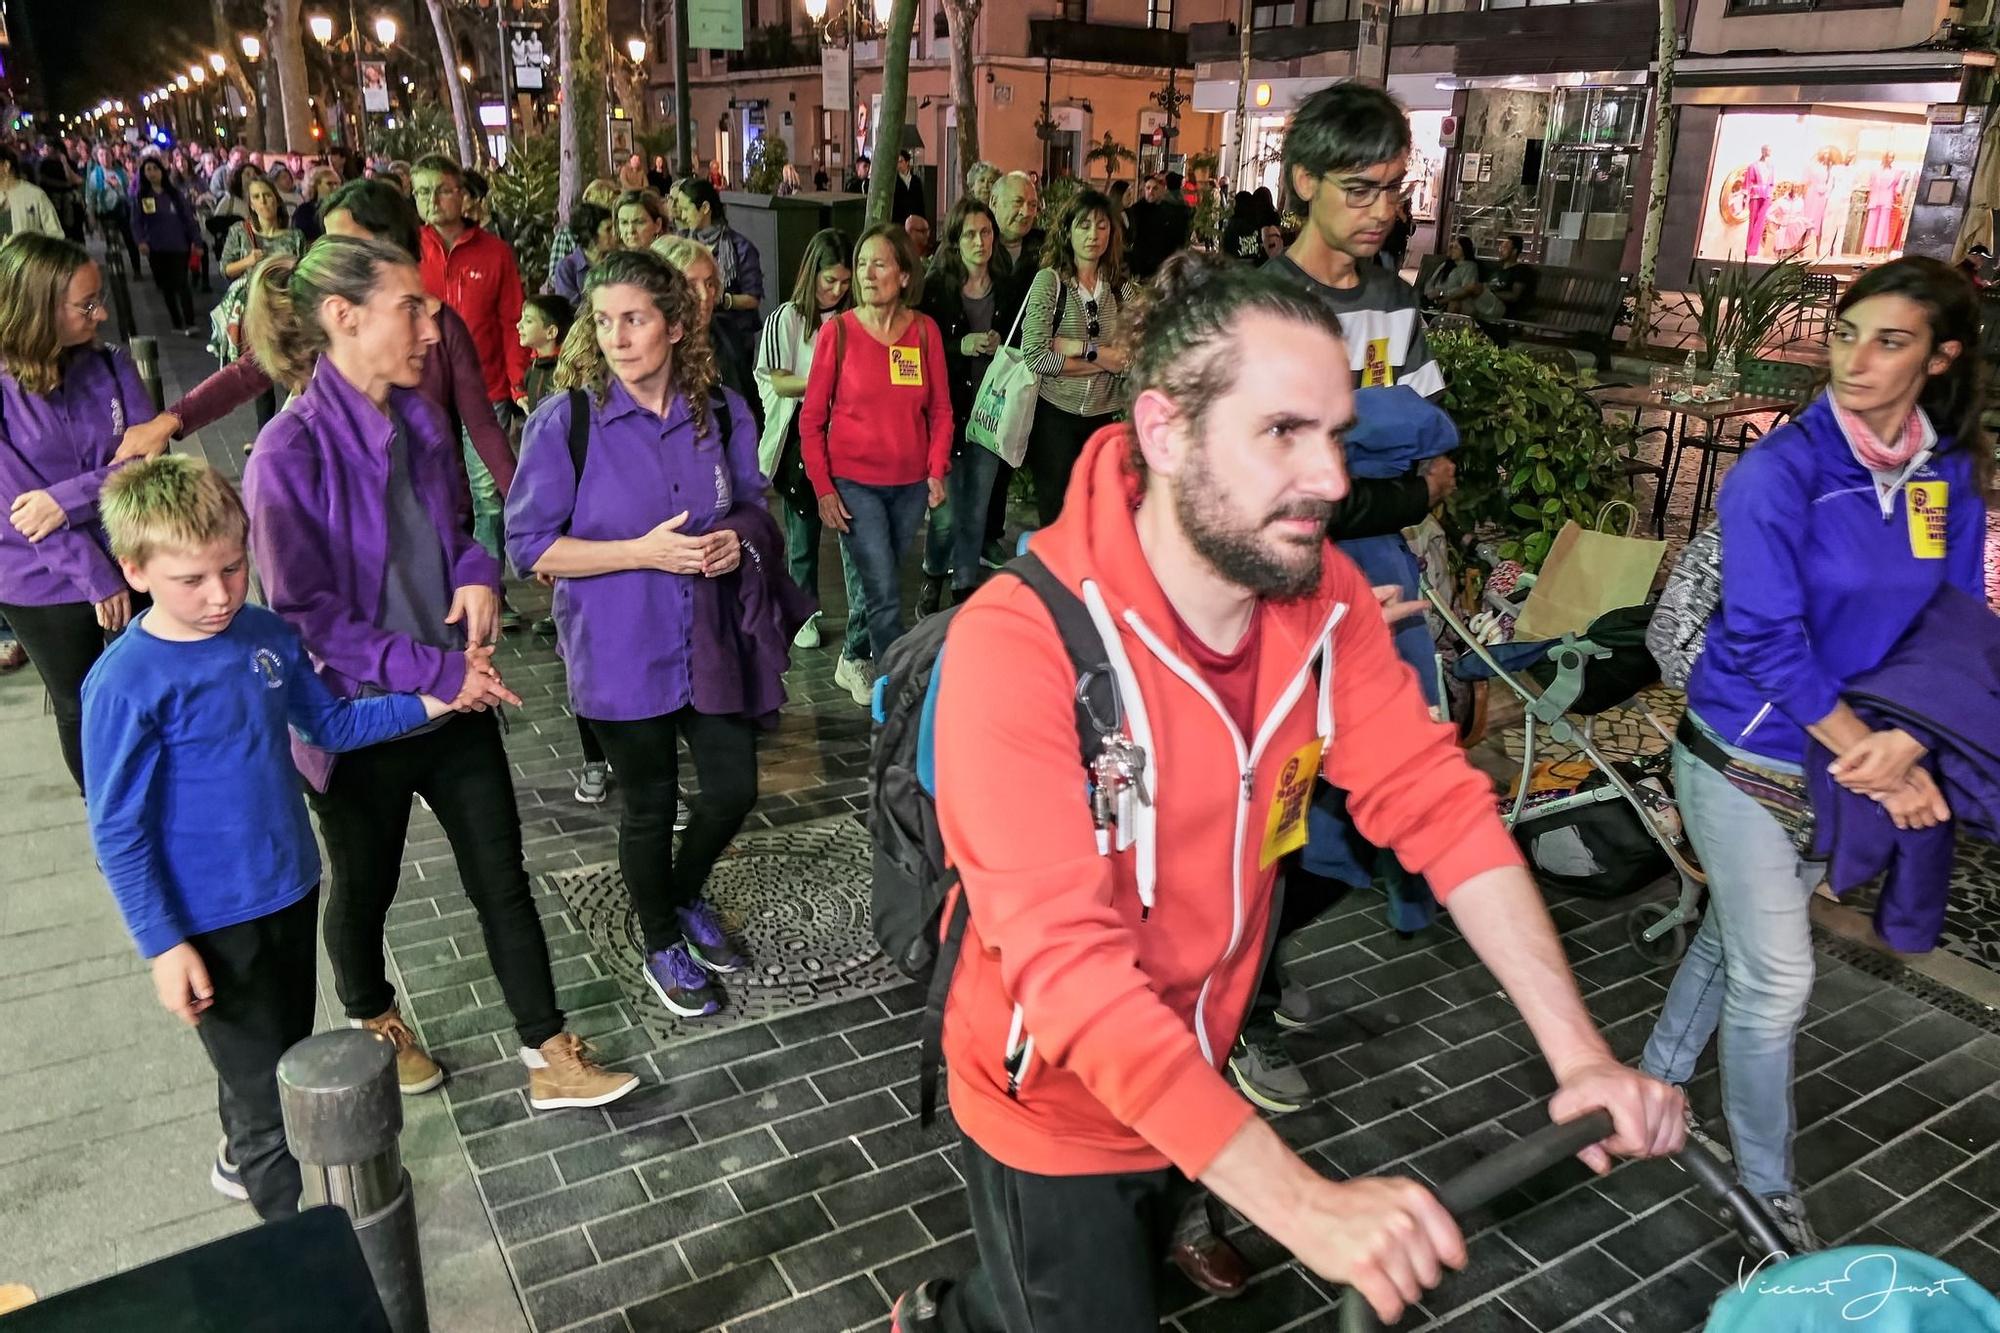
{"x": 1748, "y": 972}
{"x": 488, "y": 512}
{"x": 802, "y": 535}
{"x": 971, "y": 480}
{"x": 883, "y": 523}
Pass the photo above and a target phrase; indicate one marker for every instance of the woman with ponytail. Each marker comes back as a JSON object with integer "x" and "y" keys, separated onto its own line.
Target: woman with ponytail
{"x": 355, "y": 494}
{"x": 638, "y": 531}
{"x": 1836, "y": 531}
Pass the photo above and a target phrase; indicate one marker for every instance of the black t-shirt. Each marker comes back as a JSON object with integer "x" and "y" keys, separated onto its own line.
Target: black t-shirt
{"x": 1519, "y": 279}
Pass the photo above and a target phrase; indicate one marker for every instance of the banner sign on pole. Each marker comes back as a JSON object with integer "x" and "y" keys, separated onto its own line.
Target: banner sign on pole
{"x": 526, "y": 54}
{"x": 833, "y": 64}
{"x": 374, "y": 85}
{"x": 1371, "y": 53}
{"x": 715, "y": 25}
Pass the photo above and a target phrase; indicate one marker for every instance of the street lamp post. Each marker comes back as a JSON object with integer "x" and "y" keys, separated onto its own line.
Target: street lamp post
{"x": 851, "y": 24}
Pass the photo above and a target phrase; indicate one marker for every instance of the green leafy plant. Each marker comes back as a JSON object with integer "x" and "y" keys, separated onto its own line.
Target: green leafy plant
{"x": 1741, "y": 308}
{"x": 523, "y": 200}
{"x": 1534, "y": 449}
{"x": 1211, "y": 213}
{"x": 1056, "y": 195}
{"x": 1110, "y": 154}
{"x": 767, "y": 165}
{"x": 425, "y": 128}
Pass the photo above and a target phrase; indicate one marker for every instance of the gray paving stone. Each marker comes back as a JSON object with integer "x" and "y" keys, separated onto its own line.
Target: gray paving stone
{"x": 881, "y": 1191}
{"x": 664, "y": 1220}
{"x": 755, "y": 1108}
{"x": 546, "y": 1213}
{"x": 711, "y": 1161}
{"x": 606, "y": 1287}
{"x": 521, "y": 1180}
{"x": 713, "y": 1302}
{"x": 755, "y": 1236}
{"x": 631, "y": 1147}
{"x": 1937, "y": 1217}
{"x": 1556, "y": 1293}
{"x": 790, "y": 1177}
{"x": 841, "y": 1120}
{"x": 552, "y": 1257}
{"x": 851, "y": 1304}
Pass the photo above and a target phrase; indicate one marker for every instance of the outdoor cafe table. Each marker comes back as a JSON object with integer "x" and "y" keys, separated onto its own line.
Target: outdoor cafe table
{"x": 1637, "y": 398}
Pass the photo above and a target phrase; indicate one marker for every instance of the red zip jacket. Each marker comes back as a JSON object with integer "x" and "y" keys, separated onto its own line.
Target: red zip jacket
{"x": 479, "y": 279}
{"x": 1118, "y": 982}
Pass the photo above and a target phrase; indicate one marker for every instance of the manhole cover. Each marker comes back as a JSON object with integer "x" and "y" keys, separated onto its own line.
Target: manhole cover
{"x": 795, "y": 898}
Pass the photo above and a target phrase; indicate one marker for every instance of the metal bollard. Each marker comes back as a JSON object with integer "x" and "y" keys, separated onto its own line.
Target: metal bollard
{"x": 118, "y": 277}
{"x": 343, "y": 1111}
{"x": 146, "y": 357}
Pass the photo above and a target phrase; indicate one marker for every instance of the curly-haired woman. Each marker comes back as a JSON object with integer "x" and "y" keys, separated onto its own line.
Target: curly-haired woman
{"x": 629, "y": 535}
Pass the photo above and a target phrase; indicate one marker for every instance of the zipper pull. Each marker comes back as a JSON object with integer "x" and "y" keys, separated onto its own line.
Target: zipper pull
{"x": 1249, "y": 779}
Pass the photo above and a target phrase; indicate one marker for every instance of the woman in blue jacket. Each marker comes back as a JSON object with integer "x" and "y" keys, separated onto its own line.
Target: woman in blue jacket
{"x": 164, "y": 224}
{"x": 1836, "y": 530}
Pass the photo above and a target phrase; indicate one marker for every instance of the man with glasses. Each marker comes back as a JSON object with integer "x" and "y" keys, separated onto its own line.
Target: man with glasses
{"x": 473, "y": 271}
{"x": 1345, "y": 161}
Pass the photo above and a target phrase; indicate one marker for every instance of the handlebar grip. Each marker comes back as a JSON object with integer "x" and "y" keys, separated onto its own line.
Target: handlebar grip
{"x": 1487, "y": 1179}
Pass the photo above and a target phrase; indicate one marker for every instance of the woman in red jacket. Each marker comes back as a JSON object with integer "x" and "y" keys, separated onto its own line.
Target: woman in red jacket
{"x": 875, "y": 426}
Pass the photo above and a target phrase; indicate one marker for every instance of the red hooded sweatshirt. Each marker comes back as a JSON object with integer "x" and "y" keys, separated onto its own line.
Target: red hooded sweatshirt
{"x": 1114, "y": 985}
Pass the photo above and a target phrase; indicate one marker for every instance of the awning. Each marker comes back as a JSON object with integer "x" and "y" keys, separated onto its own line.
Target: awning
{"x": 1910, "y": 77}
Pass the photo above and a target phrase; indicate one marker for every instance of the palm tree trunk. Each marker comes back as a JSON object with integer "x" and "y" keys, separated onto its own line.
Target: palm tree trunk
{"x": 239, "y": 79}
{"x": 580, "y": 31}
{"x": 963, "y": 16}
{"x": 461, "y": 120}
{"x": 1647, "y": 292}
{"x": 895, "y": 105}
{"x": 288, "y": 66}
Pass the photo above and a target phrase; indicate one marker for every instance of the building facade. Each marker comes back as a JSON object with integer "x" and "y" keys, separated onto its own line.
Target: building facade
{"x": 1098, "y": 66}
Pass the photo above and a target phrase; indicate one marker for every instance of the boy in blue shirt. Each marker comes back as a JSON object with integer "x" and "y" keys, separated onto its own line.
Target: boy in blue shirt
{"x": 196, "y": 811}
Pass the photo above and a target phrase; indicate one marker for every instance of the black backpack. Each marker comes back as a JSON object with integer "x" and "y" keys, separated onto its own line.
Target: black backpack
{"x": 579, "y": 427}
{"x": 912, "y": 882}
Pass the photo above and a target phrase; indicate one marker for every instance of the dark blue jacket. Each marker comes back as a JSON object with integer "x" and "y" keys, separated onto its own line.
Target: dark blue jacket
{"x": 1941, "y": 683}
{"x": 1821, "y": 578}
{"x": 168, "y": 226}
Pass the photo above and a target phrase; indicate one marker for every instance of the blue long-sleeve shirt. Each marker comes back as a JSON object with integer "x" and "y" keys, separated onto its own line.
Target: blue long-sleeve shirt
{"x": 1822, "y": 575}
{"x": 197, "y": 814}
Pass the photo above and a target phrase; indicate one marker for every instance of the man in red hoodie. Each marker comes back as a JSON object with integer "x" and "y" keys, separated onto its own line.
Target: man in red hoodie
{"x": 473, "y": 271}
{"x": 1098, "y": 991}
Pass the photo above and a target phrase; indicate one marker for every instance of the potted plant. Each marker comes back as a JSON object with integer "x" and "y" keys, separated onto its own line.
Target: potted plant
{"x": 1534, "y": 448}
{"x": 1742, "y": 307}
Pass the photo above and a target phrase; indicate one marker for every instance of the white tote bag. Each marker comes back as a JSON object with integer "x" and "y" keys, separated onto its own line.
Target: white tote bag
{"x": 1003, "y": 411}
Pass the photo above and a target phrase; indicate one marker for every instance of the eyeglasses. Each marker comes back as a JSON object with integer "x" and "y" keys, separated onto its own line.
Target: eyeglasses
{"x": 92, "y": 308}
{"x": 1090, "y": 315}
{"x": 1364, "y": 193}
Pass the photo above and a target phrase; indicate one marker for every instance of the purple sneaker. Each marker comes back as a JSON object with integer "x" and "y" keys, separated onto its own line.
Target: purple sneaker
{"x": 680, "y": 983}
{"x": 707, "y": 942}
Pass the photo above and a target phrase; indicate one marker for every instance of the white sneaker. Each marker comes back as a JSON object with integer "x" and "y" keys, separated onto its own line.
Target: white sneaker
{"x": 808, "y": 635}
{"x": 857, "y": 678}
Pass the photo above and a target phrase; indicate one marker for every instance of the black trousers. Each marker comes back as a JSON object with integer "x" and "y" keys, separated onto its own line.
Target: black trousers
{"x": 461, "y": 771}
{"x": 1063, "y": 1254}
{"x": 593, "y": 753}
{"x": 1054, "y": 445}
{"x": 117, "y": 225}
{"x": 170, "y": 275}
{"x": 63, "y": 641}
{"x": 643, "y": 755}
{"x": 262, "y": 971}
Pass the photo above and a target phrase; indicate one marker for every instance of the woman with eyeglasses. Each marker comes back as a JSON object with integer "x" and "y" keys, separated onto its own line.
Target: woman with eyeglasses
{"x": 65, "y": 401}
{"x": 1069, "y": 335}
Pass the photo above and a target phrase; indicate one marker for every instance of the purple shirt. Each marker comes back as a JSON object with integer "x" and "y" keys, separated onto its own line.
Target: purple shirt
{"x": 61, "y": 442}
{"x": 317, "y": 489}
{"x": 626, "y": 636}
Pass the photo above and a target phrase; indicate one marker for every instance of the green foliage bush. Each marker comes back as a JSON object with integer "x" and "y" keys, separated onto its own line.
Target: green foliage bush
{"x": 523, "y": 200}
{"x": 1535, "y": 450}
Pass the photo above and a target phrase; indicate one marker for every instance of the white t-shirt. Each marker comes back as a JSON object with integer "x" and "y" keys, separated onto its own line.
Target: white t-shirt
{"x": 784, "y": 345}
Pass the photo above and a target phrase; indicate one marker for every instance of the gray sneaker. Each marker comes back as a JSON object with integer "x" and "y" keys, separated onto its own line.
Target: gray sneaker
{"x": 1298, "y": 1007}
{"x": 1266, "y": 1073}
{"x": 594, "y": 784}
{"x": 857, "y": 677}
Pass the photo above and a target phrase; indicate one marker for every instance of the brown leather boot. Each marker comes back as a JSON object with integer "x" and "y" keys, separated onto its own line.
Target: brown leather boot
{"x": 568, "y": 1077}
{"x": 416, "y": 1072}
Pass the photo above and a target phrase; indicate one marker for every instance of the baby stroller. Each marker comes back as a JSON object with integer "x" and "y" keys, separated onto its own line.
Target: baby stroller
{"x": 1562, "y": 694}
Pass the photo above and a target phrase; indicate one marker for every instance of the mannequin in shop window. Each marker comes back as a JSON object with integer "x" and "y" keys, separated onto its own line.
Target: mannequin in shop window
{"x": 1819, "y": 188}
{"x": 1885, "y": 195}
{"x": 1757, "y": 185}
{"x": 1788, "y": 219}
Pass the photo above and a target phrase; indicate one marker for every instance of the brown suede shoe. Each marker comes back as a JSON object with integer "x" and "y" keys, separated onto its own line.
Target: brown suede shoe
{"x": 1212, "y": 1264}
{"x": 568, "y": 1077}
{"x": 416, "y": 1072}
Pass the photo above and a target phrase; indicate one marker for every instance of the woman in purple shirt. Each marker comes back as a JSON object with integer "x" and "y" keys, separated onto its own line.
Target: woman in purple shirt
{"x": 628, "y": 535}
{"x": 64, "y": 403}
{"x": 355, "y": 493}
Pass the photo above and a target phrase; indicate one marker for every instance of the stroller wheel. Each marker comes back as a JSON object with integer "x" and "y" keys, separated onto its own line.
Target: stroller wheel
{"x": 1666, "y": 945}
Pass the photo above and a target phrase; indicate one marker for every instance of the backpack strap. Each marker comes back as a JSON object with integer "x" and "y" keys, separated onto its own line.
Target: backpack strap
{"x": 1097, "y": 719}
{"x": 579, "y": 441}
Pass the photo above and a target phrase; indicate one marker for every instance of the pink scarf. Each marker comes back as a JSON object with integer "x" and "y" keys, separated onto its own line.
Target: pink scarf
{"x": 1874, "y": 454}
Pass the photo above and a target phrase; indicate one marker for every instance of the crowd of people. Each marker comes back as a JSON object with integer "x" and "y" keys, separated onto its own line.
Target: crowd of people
{"x": 1191, "y": 495}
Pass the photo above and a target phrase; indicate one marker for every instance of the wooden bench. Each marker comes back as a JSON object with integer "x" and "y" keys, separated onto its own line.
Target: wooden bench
{"x": 1571, "y": 306}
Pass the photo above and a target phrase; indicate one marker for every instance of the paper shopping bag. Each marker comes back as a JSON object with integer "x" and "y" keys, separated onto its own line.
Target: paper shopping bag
{"x": 1588, "y": 573}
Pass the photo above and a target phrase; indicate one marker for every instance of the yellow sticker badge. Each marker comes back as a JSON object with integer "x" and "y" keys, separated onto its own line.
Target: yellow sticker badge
{"x": 1285, "y": 828}
{"x": 149, "y": 205}
{"x": 1926, "y": 502}
{"x": 906, "y": 367}
{"x": 1376, "y": 372}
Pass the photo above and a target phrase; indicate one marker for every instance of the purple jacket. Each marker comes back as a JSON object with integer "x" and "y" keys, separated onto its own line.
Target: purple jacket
{"x": 316, "y": 487}
{"x": 169, "y": 227}
{"x": 626, "y": 637}
{"x": 744, "y": 622}
{"x": 61, "y": 442}
{"x": 1941, "y": 683}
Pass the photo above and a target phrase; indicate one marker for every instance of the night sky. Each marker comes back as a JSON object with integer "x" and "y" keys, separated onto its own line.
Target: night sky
{"x": 87, "y": 50}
